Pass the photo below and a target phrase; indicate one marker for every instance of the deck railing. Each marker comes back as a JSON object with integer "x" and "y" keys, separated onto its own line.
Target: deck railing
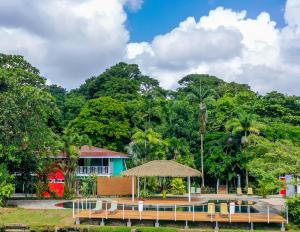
{"x": 84, "y": 208}
{"x": 98, "y": 170}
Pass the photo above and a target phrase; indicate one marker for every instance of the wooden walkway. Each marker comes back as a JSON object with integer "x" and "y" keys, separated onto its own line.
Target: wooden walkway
{"x": 181, "y": 216}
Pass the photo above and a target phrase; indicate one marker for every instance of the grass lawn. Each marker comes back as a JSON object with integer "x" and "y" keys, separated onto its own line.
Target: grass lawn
{"x": 34, "y": 217}
{"x": 63, "y": 218}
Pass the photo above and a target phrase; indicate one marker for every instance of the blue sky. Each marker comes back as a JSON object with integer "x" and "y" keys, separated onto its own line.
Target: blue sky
{"x": 161, "y": 16}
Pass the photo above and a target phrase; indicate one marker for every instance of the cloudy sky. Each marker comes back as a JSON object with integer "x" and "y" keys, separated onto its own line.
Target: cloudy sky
{"x": 251, "y": 41}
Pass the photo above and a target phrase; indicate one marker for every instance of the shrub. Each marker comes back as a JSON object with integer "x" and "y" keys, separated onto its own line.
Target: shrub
{"x": 152, "y": 229}
{"x": 144, "y": 193}
{"x": 294, "y": 209}
{"x": 177, "y": 186}
{"x": 110, "y": 229}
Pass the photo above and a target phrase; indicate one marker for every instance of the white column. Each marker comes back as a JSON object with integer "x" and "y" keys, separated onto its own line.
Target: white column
{"x": 189, "y": 186}
{"x": 132, "y": 192}
{"x": 138, "y": 187}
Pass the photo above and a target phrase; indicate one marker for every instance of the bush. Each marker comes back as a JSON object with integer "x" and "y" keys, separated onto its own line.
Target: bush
{"x": 177, "y": 186}
{"x": 294, "y": 209}
{"x": 110, "y": 229}
{"x": 144, "y": 193}
{"x": 152, "y": 229}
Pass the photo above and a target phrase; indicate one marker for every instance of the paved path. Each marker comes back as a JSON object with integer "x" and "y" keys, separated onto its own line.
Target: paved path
{"x": 36, "y": 204}
{"x": 276, "y": 202}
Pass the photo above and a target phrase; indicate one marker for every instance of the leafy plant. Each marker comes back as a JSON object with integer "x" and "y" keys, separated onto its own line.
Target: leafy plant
{"x": 294, "y": 209}
{"x": 178, "y": 186}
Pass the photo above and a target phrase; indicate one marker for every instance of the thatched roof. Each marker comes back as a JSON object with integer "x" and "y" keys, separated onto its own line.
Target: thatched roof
{"x": 162, "y": 168}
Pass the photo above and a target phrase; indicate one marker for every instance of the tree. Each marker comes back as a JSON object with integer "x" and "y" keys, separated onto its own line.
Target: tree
{"x": 71, "y": 144}
{"x": 145, "y": 146}
{"x": 245, "y": 124}
{"x": 27, "y": 110}
{"x": 104, "y": 121}
{"x": 6, "y": 184}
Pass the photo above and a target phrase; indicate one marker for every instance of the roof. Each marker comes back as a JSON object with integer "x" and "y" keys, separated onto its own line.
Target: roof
{"x": 95, "y": 152}
{"x": 162, "y": 168}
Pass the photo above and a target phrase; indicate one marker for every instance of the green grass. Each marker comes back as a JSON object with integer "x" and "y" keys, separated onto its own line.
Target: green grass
{"x": 33, "y": 217}
{"x": 39, "y": 220}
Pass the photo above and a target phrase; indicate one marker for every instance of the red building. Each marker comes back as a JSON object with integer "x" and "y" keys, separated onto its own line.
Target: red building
{"x": 93, "y": 160}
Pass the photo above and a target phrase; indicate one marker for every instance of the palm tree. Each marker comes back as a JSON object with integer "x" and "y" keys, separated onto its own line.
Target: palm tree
{"x": 244, "y": 123}
{"x": 71, "y": 144}
{"x": 199, "y": 95}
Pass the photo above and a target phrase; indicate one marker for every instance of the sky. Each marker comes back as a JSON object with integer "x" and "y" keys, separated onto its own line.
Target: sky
{"x": 256, "y": 42}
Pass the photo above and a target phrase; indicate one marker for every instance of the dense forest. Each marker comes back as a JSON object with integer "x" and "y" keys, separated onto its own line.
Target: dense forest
{"x": 241, "y": 132}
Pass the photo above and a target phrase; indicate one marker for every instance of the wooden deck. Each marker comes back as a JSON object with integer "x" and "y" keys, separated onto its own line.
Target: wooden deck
{"x": 181, "y": 216}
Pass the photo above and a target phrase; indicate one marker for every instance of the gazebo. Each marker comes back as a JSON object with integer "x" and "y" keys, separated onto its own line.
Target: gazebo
{"x": 161, "y": 168}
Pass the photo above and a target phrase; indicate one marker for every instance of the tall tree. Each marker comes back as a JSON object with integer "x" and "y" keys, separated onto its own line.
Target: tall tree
{"x": 104, "y": 121}
{"x": 27, "y": 110}
{"x": 245, "y": 124}
{"x": 70, "y": 148}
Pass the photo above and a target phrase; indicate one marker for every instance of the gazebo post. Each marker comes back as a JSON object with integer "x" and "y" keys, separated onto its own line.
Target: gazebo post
{"x": 132, "y": 192}
{"x": 138, "y": 187}
{"x": 189, "y": 186}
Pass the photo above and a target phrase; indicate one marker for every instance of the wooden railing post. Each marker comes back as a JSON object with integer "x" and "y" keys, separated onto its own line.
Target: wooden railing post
{"x": 268, "y": 214}
{"x": 123, "y": 211}
{"x": 157, "y": 216}
{"x": 193, "y": 213}
{"x": 106, "y": 210}
{"x": 287, "y": 214}
{"x": 90, "y": 210}
{"x": 81, "y": 204}
{"x": 175, "y": 212}
{"x": 78, "y": 206}
{"x": 249, "y": 216}
{"x": 73, "y": 209}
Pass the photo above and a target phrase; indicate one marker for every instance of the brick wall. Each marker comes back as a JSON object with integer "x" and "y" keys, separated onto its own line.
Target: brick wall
{"x": 115, "y": 186}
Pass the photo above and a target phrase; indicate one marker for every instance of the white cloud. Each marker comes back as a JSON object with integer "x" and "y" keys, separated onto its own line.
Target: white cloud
{"x": 68, "y": 40}
{"x": 230, "y": 45}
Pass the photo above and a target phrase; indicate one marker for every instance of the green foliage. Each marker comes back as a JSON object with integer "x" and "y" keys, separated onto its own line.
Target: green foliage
{"x": 124, "y": 110}
{"x": 145, "y": 146}
{"x": 6, "y": 184}
{"x": 88, "y": 186}
{"x": 178, "y": 186}
{"x": 104, "y": 121}
{"x": 144, "y": 193}
{"x": 294, "y": 209}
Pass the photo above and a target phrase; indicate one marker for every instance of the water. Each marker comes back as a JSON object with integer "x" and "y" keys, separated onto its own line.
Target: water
{"x": 240, "y": 206}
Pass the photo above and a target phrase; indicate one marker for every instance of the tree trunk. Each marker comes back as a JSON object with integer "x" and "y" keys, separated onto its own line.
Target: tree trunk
{"x": 202, "y": 166}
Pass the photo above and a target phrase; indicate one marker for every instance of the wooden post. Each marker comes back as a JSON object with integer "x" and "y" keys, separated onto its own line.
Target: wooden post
{"x": 138, "y": 187}
{"x": 175, "y": 213}
{"x": 249, "y": 216}
{"x": 90, "y": 210}
{"x": 77, "y": 206}
{"x": 73, "y": 209}
{"x": 132, "y": 191}
{"x": 189, "y": 186}
{"x": 268, "y": 214}
{"x": 82, "y": 205}
{"x": 193, "y": 213}
{"x": 123, "y": 211}
{"x": 157, "y": 213}
{"x": 287, "y": 214}
{"x": 106, "y": 210}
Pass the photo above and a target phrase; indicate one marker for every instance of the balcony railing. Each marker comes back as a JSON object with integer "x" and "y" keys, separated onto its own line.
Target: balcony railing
{"x": 88, "y": 170}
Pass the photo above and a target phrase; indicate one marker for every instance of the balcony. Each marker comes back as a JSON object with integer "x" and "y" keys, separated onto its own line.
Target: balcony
{"x": 98, "y": 170}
